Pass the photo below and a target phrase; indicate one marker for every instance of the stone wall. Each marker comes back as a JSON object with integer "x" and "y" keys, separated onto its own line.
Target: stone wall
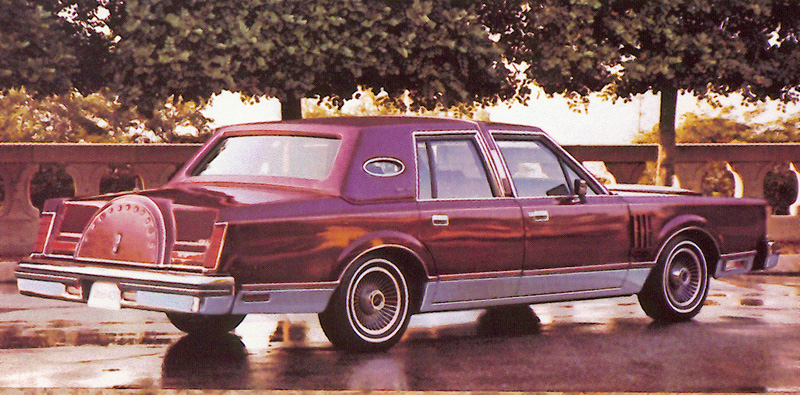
{"x": 87, "y": 164}
{"x": 154, "y": 164}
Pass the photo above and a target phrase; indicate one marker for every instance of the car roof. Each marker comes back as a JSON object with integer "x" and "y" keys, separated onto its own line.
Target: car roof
{"x": 354, "y": 124}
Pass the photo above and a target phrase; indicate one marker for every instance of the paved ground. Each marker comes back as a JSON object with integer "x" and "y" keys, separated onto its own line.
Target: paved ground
{"x": 746, "y": 339}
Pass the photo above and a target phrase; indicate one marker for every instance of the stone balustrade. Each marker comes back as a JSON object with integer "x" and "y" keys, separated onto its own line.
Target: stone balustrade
{"x": 154, "y": 164}
{"x": 86, "y": 164}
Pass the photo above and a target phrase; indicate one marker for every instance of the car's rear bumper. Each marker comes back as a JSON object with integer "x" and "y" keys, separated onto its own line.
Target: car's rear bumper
{"x": 161, "y": 290}
{"x": 135, "y": 288}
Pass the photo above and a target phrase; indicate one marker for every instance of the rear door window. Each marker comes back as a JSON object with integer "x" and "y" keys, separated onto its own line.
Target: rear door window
{"x": 451, "y": 168}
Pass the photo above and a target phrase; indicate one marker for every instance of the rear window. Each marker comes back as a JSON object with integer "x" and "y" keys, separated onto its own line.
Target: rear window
{"x": 302, "y": 157}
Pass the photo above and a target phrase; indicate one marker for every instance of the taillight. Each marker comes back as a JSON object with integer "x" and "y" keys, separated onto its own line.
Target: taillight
{"x": 214, "y": 250}
{"x": 202, "y": 253}
{"x": 45, "y": 228}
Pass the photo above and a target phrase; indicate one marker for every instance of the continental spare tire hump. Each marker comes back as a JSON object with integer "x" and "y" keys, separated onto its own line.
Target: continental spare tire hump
{"x": 128, "y": 229}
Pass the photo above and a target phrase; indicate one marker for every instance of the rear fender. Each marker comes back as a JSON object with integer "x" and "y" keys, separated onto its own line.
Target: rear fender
{"x": 384, "y": 240}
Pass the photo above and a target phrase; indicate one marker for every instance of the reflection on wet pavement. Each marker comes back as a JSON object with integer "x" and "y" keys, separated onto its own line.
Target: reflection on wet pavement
{"x": 206, "y": 362}
{"x": 746, "y": 339}
{"x": 20, "y": 337}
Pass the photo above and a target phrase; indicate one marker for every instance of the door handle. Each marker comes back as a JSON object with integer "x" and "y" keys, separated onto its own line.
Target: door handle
{"x": 540, "y": 215}
{"x": 440, "y": 220}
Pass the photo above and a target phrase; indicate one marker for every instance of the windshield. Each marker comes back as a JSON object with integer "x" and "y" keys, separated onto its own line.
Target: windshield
{"x": 273, "y": 156}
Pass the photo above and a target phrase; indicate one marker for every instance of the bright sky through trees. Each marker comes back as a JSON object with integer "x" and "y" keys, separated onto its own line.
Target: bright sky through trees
{"x": 604, "y": 122}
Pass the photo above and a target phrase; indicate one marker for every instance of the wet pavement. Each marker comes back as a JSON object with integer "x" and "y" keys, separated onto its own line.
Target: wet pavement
{"x": 747, "y": 338}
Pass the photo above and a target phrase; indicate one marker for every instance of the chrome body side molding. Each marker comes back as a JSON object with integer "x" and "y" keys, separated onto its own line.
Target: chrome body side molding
{"x": 559, "y": 287}
{"x": 287, "y": 298}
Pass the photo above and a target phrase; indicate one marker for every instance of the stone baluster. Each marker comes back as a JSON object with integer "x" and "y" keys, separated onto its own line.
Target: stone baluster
{"x": 690, "y": 174}
{"x": 86, "y": 177}
{"x": 154, "y": 175}
{"x": 753, "y": 175}
{"x": 626, "y": 172}
{"x": 19, "y": 219}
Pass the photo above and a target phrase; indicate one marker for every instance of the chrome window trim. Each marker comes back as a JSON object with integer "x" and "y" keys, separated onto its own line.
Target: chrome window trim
{"x": 557, "y": 149}
{"x": 492, "y": 175}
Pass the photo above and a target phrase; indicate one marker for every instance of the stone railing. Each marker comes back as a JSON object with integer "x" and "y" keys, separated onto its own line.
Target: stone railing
{"x": 87, "y": 165}
{"x": 749, "y": 163}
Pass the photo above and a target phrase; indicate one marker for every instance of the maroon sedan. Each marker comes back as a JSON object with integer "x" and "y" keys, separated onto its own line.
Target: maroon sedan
{"x": 366, "y": 221}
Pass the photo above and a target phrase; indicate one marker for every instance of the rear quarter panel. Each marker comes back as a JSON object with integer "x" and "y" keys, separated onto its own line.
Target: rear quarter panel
{"x": 312, "y": 242}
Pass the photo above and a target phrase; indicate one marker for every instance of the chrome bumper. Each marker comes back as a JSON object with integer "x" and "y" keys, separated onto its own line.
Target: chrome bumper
{"x": 114, "y": 288}
{"x": 131, "y": 288}
{"x": 773, "y": 253}
{"x": 765, "y": 258}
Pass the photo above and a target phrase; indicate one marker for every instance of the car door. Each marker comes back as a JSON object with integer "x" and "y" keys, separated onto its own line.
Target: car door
{"x": 474, "y": 235}
{"x": 572, "y": 243}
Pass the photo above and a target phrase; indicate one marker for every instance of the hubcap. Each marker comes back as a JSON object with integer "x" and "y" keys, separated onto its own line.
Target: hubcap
{"x": 377, "y": 303}
{"x": 684, "y": 280}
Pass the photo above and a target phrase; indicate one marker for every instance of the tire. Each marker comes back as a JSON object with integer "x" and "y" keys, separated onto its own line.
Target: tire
{"x": 677, "y": 287}
{"x": 205, "y": 324}
{"x": 369, "y": 311}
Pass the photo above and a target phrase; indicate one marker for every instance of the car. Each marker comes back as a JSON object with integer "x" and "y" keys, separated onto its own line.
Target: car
{"x": 366, "y": 221}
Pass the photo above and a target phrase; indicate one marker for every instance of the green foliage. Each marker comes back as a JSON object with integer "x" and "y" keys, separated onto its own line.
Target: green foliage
{"x": 37, "y": 49}
{"x": 726, "y": 127}
{"x": 50, "y": 181}
{"x": 365, "y": 102}
{"x": 718, "y": 181}
{"x": 437, "y": 50}
{"x": 698, "y": 46}
{"x": 780, "y": 189}
{"x": 626, "y": 47}
{"x": 71, "y": 118}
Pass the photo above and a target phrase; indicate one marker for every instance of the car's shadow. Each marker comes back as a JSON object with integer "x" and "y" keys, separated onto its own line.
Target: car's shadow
{"x": 222, "y": 360}
{"x": 205, "y": 361}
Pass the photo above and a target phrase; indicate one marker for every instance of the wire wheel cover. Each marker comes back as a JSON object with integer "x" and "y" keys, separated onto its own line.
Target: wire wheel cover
{"x": 684, "y": 279}
{"x": 376, "y": 303}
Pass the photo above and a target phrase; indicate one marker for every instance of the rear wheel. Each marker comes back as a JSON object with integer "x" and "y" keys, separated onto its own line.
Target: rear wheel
{"x": 370, "y": 309}
{"x": 677, "y": 287}
{"x": 206, "y": 324}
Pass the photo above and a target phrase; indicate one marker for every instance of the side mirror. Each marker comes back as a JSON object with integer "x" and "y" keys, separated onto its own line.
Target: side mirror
{"x": 580, "y": 189}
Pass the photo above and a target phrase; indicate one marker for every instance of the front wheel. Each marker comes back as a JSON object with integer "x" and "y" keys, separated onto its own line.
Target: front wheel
{"x": 370, "y": 309}
{"x": 205, "y": 324}
{"x": 677, "y": 287}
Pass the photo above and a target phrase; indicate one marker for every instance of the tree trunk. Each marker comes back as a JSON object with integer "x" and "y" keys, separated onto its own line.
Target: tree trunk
{"x": 666, "y": 136}
{"x": 291, "y": 108}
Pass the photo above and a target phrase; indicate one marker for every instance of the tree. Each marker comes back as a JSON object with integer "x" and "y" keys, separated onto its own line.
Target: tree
{"x": 37, "y": 49}
{"x": 72, "y": 117}
{"x": 437, "y": 50}
{"x": 628, "y": 47}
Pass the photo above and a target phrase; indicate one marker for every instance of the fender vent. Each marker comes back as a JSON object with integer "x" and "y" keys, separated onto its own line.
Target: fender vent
{"x": 642, "y": 231}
